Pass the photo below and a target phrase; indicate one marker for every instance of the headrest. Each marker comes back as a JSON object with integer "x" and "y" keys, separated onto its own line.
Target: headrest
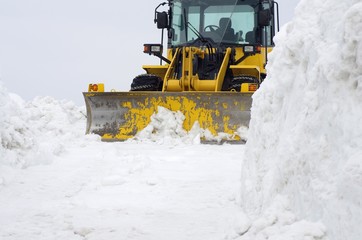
{"x": 225, "y": 23}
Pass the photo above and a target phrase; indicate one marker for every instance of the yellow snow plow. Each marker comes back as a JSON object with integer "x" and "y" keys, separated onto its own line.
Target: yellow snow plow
{"x": 209, "y": 74}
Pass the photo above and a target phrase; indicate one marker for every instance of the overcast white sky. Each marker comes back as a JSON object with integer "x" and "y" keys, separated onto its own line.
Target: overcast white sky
{"x": 56, "y": 47}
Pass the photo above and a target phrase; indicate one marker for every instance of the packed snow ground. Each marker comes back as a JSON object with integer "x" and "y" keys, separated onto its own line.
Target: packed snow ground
{"x": 301, "y": 171}
{"x": 124, "y": 191}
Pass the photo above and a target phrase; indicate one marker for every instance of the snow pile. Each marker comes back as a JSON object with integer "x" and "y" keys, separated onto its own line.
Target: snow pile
{"x": 34, "y": 132}
{"x": 305, "y": 140}
{"x": 14, "y": 132}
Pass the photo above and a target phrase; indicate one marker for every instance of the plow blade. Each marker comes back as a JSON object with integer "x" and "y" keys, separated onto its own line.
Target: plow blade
{"x": 118, "y": 116}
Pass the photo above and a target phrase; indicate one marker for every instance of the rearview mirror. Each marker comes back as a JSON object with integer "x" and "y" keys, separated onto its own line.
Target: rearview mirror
{"x": 162, "y": 20}
{"x": 264, "y": 18}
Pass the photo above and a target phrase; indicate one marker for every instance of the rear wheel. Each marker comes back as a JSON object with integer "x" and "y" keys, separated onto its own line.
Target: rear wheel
{"x": 146, "y": 82}
{"x": 238, "y": 80}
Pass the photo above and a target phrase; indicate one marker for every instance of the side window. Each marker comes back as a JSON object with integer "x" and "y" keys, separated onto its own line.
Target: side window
{"x": 177, "y": 23}
{"x": 269, "y": 39}
{"x": 194, "y": 20}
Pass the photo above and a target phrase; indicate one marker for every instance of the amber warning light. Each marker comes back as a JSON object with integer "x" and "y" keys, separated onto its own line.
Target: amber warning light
{"x": 98, "y": 87}
{"x": 249, "y": 87}
{"x": 253, "y": 87}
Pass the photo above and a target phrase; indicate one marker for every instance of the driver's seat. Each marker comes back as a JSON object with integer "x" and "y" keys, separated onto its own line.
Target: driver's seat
{"x": 226, "y": 31}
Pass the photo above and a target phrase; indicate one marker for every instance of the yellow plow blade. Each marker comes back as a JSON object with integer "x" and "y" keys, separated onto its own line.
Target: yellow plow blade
{"x": 118, "y": 116}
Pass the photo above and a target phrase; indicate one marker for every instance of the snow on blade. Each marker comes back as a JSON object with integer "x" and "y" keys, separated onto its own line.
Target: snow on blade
{"x": 166, "y": 127}
{"x": 305, "y": 139}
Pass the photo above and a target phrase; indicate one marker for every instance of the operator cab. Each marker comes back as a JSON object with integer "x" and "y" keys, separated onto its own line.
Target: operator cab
{"x": 227, "y": 22}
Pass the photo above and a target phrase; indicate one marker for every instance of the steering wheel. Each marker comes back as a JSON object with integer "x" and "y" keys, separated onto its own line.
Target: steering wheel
{"x": 213, "y": 28}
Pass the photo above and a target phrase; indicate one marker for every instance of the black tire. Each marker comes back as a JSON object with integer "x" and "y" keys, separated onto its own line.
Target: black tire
{"x": 238, "y": 80}
{"x": 146, "y": 82}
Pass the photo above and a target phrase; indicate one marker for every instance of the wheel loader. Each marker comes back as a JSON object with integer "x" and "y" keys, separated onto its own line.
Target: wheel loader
{"x": 215, "y": 60}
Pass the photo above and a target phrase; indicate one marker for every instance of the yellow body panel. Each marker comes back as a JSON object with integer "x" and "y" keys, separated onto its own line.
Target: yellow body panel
{"x": 253, "y": 65}
{"x": 159, "y": 70}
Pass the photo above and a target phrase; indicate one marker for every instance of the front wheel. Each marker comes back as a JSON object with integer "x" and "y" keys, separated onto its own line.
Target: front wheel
{"x": 146, "y": 82}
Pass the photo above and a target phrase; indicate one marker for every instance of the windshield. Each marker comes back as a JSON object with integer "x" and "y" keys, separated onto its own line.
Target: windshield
{"x": 228, "y": 21}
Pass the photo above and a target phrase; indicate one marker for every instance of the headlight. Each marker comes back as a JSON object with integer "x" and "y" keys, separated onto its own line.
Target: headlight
{"x": 152, "y": 49}
{"x": 249, "y": 49}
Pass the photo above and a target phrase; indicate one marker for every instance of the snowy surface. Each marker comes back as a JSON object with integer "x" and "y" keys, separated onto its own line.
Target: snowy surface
{"x": 298, "y": 177}
{"x": 124, "y": 191}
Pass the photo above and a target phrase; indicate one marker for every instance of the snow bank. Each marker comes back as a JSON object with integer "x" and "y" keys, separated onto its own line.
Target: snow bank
{"x": 34, "y": 132}
{"x": 305, "y": 140}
